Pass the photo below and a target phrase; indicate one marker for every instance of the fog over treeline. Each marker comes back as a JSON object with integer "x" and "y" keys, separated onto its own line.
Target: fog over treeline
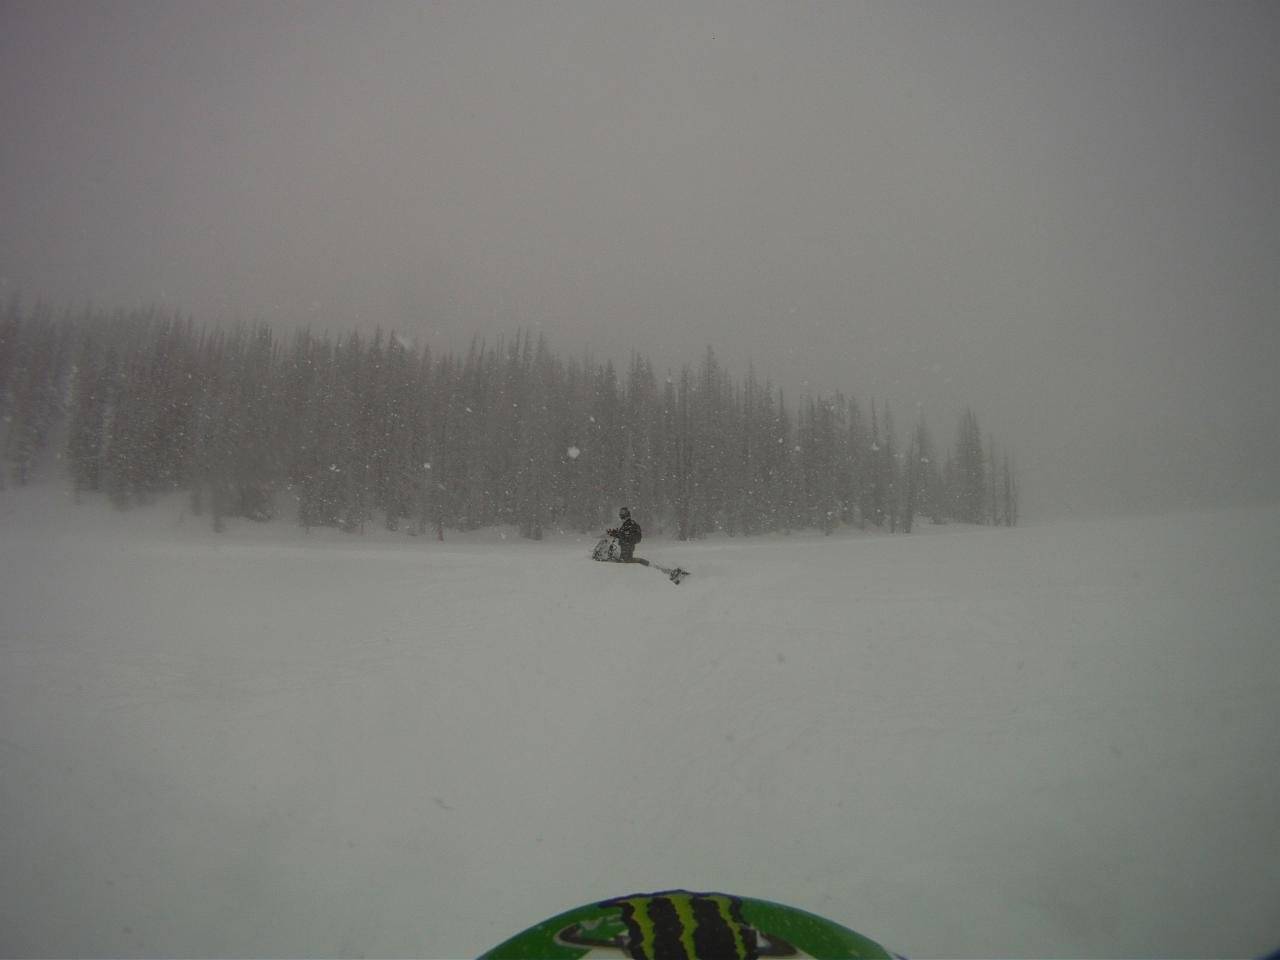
{"x": 1064, "y": 215}
{"x": 370, "y": 429}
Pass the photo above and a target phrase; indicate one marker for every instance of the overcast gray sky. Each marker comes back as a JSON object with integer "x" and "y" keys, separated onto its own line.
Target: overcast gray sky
{"x": 1065, "y": 214}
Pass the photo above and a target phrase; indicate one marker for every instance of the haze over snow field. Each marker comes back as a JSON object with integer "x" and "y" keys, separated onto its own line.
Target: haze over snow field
{"x": 1053, "y": 740}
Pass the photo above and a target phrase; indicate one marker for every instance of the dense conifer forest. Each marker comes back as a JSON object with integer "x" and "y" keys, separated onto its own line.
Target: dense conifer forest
{"x": 359, "y": 430}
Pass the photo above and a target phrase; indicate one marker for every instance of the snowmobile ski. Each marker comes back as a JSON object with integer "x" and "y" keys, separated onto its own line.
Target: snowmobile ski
{"x": 674, "y": 574}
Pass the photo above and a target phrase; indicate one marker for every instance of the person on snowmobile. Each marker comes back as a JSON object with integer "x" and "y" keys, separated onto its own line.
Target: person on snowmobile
{"x": 628, "y": 535}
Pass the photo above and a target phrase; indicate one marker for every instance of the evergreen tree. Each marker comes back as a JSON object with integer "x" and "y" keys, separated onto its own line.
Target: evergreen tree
{"x": 969, "y": 477}
{"x": 538, "y": 500}
{"x": 1010, "y": 494}
{"x": 643, "y": 440}
{"x": 891, "y": 470}
{"x": 38, "y": 365}
{"x": 921, "y": 478}
{"x": 858, "y": 442}
{"x": 877, "y": 485}
{"x": 91, "y": 389}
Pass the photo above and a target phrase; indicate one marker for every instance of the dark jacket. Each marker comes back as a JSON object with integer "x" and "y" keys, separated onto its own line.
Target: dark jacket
{"x": 628, "y": 533}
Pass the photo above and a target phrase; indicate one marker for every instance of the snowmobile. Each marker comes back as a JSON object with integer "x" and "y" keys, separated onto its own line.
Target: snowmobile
{"x": 608, "y": 550}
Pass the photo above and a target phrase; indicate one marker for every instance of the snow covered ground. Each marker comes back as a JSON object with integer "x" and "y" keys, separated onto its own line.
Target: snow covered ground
{"x": 1057, "y": 740}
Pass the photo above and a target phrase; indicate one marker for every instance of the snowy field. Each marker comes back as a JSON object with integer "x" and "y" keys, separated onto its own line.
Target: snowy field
{"x": 1056, "y": 740}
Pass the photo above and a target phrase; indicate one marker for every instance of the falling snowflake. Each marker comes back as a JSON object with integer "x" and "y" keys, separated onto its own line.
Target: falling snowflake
{"x": 573, "y": 453}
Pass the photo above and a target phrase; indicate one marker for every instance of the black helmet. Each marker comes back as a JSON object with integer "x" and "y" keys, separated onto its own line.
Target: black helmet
{"x": 624, "y": 514}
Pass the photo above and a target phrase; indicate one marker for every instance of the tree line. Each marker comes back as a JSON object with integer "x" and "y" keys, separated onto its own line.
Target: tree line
{"x": 359, "y": 430}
